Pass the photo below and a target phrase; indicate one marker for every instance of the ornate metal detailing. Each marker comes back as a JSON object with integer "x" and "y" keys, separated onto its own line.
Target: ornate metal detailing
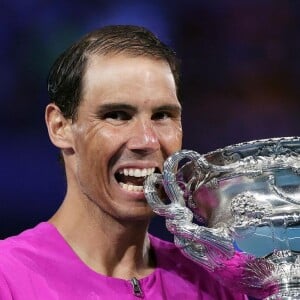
{"x": 236, "y": 211}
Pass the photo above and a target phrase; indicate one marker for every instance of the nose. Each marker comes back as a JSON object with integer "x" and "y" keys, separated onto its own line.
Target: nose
{"x": 143, "y": 137}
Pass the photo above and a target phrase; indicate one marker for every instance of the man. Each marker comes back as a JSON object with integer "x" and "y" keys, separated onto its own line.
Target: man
{"x": 115, "y": 115}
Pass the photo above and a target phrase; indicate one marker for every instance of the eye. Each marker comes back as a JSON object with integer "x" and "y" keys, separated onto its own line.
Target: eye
{"x": 117, "y": 116}
{"x": 161, "y": 115}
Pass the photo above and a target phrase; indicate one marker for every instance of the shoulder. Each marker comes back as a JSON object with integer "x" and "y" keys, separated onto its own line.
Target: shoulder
{"x": 28, "y": 235}
{"x": 19, "y": 248}
{"x": 24, "y": 261}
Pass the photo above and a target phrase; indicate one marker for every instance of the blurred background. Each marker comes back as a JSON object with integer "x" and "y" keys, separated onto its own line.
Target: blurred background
{"x": 240, "y": 81}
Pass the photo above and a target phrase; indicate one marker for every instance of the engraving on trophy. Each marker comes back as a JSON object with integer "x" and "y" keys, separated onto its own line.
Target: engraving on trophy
{"x": 247, "y": 211}
{"x": 236, "y": 211}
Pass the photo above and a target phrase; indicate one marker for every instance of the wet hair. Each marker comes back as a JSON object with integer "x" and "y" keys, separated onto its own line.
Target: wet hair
{"x": 65, "y": 81}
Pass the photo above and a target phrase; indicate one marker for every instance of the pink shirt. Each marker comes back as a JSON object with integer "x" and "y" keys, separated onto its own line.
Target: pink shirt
{"x": 39, "y": 264}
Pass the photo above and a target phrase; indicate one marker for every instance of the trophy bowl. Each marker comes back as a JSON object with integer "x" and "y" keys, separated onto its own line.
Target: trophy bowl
{"x": 236, "y": 212}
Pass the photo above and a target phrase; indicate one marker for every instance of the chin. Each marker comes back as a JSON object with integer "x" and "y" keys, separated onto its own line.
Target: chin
{"x": 137, "y": 214}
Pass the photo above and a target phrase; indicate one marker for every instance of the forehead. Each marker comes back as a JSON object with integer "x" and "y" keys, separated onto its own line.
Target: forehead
{"x": 122, "y": 76}
{"x": 118, "y": 63}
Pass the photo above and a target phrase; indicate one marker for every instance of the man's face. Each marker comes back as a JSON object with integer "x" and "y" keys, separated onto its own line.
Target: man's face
{"x": 129, "y": 122}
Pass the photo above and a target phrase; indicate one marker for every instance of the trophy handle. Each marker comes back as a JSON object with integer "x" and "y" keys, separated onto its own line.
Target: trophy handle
{"x": 197, "y": 241}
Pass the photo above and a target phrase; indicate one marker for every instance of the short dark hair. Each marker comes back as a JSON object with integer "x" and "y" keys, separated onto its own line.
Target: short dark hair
{"x": 66, "y": 75}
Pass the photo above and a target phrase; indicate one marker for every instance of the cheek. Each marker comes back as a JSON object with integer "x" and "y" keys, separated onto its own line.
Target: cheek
{"x": 94, "y": 139}
{"x": 172, "y": 139}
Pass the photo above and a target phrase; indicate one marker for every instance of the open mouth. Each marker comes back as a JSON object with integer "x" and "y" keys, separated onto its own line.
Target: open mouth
{"x": 132, "y": 179}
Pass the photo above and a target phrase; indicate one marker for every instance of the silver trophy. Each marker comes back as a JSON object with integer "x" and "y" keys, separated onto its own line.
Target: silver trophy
{"x": 236, "y": 211}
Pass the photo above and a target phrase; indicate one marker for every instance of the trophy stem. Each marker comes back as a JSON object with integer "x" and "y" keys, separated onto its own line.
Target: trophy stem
{"x": 287, "y": 269}
{"x": 287, "y": 291}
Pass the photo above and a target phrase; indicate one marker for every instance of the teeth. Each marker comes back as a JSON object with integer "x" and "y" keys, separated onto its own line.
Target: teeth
{"x": 137, "y": 172}
{"x": 130, "y": 187}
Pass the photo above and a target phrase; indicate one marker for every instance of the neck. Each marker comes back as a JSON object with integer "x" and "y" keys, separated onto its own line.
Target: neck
{"x": 106, "y": 245}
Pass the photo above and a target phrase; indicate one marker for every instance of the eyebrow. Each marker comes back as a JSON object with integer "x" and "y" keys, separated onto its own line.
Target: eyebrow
{"x": 124, "y": 106}
{"x": 115, "y": 107}
{"x": 169, "y": 107}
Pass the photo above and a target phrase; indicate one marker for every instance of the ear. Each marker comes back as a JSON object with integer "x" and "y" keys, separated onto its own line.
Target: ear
{"x": 59, "y": 128}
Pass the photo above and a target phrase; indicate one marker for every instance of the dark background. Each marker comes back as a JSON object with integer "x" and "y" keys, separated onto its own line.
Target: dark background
{"x": 240, "y": 81}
